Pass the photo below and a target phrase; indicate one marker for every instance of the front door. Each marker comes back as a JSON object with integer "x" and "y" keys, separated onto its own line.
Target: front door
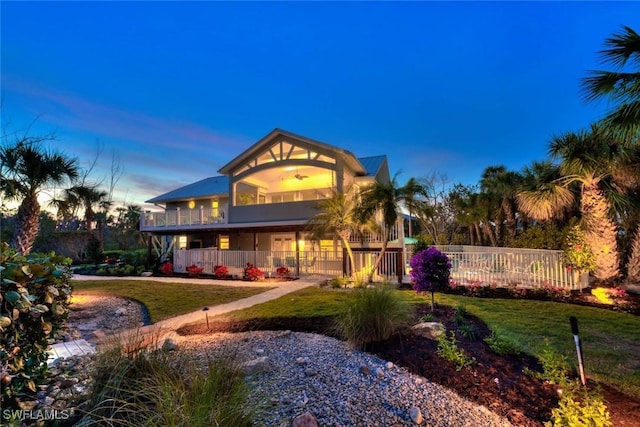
{"x": 283, "y": 242}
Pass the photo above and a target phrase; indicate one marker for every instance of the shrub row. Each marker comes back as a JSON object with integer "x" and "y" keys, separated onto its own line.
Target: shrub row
{"x": 34, "y": 302}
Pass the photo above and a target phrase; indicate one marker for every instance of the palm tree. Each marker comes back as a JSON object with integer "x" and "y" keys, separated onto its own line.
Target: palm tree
{"x": 384, "y": 198}
{"x": 27, "y": 169}
{"x": 540, "y": 198}
{"x": 590, "y": 161}
{"x": 336, "y": 215}
{"x": 619, "y": 87}
{"x": 412, "y": 192}
{"x": 87, "y": 197}
{"x": 502, "y": 185}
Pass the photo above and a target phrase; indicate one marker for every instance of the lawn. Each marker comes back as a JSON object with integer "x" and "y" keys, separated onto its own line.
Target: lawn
{"x": 164, "y": 300}
{"x": 610, "y": 340}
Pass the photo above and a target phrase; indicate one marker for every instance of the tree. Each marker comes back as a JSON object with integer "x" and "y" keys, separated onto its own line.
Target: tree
{"x": 430, "y": 271}
{"x": 413, "y": 191}
{"x": 27, "y": 169}
{"x": 633, "y": 267}
{"x": 590, "y": 163}
{"x": 336, "y": 215}
{"x": 383, "y": 198}
{"x": 621, "y": 88}
{"x": 501, "y": 185}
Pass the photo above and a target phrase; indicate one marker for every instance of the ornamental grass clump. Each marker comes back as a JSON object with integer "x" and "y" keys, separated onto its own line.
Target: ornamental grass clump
{"x": 373, "y": 314}
{"x": 430, "y": 271}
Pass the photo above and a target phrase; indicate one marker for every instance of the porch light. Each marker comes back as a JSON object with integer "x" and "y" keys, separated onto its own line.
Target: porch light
{"x": 192, "y": 204}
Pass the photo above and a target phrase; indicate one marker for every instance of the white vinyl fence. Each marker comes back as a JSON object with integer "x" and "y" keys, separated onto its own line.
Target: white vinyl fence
{"x": 326, "y": 263}
{"x": 469, "y": 264}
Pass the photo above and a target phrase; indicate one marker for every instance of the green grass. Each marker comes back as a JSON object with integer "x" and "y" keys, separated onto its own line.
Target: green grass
{"x": 307, "y": 302}
{"x": 164, "y": 300}
{"x": 610, "y": 343}
{"x": 611, "y": 347}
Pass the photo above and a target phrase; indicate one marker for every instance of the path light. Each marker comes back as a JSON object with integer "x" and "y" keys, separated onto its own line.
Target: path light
{"x": 206, "y": 315}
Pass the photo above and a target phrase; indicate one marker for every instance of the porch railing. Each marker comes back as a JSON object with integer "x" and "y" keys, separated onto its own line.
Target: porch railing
{"x": 326, "y": 263}
{"x": 182, "y": 217}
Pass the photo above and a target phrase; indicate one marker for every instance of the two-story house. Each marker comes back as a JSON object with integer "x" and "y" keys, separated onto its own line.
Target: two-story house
{"x": 258, "y": 208}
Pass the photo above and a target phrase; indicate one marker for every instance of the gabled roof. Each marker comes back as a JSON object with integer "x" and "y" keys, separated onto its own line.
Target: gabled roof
{"x": 256, "y": 148}
{"x": 372, "y": 164}
{"x": 213, "y": 186}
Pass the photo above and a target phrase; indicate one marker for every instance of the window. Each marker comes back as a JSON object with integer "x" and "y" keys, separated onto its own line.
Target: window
{"x": 224, "y": 242}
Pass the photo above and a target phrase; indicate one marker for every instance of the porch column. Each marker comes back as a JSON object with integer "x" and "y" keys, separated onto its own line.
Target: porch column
{"x": 178, "y": 216}
{"x": 297, "y": 254}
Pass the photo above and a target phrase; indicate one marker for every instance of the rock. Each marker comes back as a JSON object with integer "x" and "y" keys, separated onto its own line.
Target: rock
{"x": 416, "y": 415}
{"x": 260, "y": 351}
{"x": 430, "y": 330}
{"x": 169, "y": 345}
{"x": 256, "y": 365}
{"x": 304, "y": 420}
{"x": 379, "y": 373}
{"x": 389, "y": 365}
{"x": 121, "y": 311}
{"x": 146, "y": 274}
{"x": 419, "y": 381}
{"x": 303, "y": 360}
{"x": 364, "y": 369}
{"x": 310, "y": 372}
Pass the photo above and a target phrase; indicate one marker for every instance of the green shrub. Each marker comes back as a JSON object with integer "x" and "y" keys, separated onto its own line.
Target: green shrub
{"x": 93, "y": 250}
{"x": 579, "y": 407}
{"x": 136, "y": 385}
{"x": 427, "y": 318}
{"x": 448, "y": 350}
{"x": 468, "y": 331}
{"x": 34, "y": 302}
{"x": 374, "y": 314}
{"x": 136, "y": 257}
{"x": 555, "y": 367}
{"x": 338, "y": 282}
{"x": 460, "y": 315}
{"x": 502, "y": 344}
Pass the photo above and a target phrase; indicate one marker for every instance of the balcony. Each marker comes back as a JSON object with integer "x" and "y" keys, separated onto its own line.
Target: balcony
{"x": 182, "y": 219}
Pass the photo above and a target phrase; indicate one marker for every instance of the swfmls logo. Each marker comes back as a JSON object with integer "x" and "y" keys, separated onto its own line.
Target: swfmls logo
{"x": 35, "y": 415}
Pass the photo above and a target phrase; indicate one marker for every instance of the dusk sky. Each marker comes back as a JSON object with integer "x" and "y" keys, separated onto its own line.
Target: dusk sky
{"x": 178, "y": 89}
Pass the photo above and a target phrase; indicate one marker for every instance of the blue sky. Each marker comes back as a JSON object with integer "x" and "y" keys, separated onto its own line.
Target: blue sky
{"x": 178, "y": 89}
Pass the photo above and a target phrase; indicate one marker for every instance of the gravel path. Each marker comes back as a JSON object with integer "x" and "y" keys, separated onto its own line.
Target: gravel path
{"x": 298, "y": 372}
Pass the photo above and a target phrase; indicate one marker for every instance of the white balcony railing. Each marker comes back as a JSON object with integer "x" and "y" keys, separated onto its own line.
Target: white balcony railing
{"x": 182, "y": 217}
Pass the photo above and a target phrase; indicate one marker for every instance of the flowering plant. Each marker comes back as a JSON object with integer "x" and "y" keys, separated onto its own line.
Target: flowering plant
{"x": 167, "y": 268}
{"x": 283, "y": 271}
{"x": 221, "y": 271}
{"x": 577, "y": 252}
{"x": 194, "y": 270}
{"x": 252, "y": 273}
{"x": 430, "y": 271}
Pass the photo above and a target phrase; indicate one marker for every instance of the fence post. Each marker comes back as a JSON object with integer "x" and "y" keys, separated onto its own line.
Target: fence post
{"x": 400, "y": 265}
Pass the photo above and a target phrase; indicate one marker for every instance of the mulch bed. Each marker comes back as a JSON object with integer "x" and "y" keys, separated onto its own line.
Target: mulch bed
{"x": 499, "y": 383}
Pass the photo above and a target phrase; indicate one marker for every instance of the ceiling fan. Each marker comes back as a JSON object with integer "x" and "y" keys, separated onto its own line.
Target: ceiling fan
{"x": 300, "y": 177}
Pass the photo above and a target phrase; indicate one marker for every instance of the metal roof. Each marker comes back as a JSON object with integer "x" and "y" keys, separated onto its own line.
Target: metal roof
{"x": 212, "y": 186}
{"x": 372, "y": 164}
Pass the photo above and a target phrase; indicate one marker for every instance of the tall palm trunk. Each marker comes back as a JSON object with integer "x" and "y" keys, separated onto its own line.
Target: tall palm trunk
{"x": 510, "y": 221}
{"x": 600, "y": 232}
{"x": 345, "y": 235}
{"x": 385, "y": 242}
{"x": 27, "y": 224}
{"x": 633, "y": 266}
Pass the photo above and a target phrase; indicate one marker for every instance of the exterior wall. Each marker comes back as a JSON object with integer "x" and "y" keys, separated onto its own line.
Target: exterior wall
{"x": 272, "y": 212}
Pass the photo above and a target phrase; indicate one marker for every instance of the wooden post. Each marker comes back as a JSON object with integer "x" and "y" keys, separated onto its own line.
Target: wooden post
{"x": 400, "y": 265}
